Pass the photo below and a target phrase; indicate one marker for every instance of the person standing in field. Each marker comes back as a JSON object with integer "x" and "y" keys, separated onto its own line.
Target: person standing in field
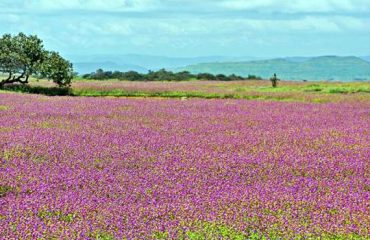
{"x": 274, "y": 80}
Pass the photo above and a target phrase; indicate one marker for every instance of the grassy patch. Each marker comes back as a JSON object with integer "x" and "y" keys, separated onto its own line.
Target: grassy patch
{"x": 313, "y": 88}
{"x": 22, "y": 152}
{"x": 160, "y": 235}
{"x": 341, "y": 237}
{"x": 65, "y": 217}
{"x": 235, "y": 91}
{"x": 101, "y": 235}
{"x": 4, "y": 189}
{"x": 348, "y": 90}
{"x": 49, "y": 91}
{"x": 177, "y": 94}
{"x": 6, "y": 129}
{"x": 255, "y": 90}
{"x": 205, "y": 230}
{"x": 3, "y": 108}
{"x": 210, "y": 230}
{"x": 277, "y": 89}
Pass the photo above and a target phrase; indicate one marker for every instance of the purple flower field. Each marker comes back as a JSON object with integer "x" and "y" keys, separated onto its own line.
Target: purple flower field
{"x": 117, "y": 168}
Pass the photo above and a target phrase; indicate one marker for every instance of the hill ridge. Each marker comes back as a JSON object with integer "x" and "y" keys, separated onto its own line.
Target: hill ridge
{"x": 348, "y": 68}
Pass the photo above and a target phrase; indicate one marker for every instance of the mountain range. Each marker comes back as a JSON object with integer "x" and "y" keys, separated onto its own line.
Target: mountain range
{"x": 289, "y": 68}
{"x": 142, "y": 63}
{"x": 366, "y": 58}
{"x": 327, "y": 68}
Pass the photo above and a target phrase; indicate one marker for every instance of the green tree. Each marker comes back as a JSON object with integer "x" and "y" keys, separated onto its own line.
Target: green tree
{"x": 206, "y": 76}
{"x": 132, "y": 76}
{"x": 22, "y": 56}
{"x": 57, "y": 69}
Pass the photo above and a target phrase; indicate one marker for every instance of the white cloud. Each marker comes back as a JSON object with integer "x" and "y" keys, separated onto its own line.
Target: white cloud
{"x": 303, "y": 25}
{"x": 190, "y": 6}
{"x": 203, "y": 28}
{"x": 75, "y": 25}
{"x": 293, "y": 6}
{"x": 99, "y": 5}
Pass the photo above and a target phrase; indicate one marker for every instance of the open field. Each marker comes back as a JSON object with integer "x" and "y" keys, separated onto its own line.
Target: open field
{"x": 115, "y": 168}
{"x": 184, "y": 120}
{"x": 319, "y": 92}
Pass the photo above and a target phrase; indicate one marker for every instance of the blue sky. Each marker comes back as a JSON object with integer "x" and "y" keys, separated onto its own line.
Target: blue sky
{"x": 260, "y": 28}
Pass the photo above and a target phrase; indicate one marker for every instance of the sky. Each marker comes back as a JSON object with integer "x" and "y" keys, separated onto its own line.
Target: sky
{"x": 190, "y": 28}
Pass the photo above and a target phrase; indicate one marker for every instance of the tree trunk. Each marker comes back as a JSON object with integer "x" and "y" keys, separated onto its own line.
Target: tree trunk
{"x": 15, "y": 79}
{"x": 2, "y": 82}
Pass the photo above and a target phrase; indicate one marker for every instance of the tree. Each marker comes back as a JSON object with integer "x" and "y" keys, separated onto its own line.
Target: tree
{"x": 206, "y": 76}
{"x": 221, "y": 77}
{"x": 132, "y": 76}
{"x": 99, "y": 74}
{"x": 57, "y": 69}
{"x": 184, "y": 75}
{"x": 161, "y": 75}
{"x": 21, "y": 56}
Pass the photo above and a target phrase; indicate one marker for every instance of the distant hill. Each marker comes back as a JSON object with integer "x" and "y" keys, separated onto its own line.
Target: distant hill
{"x": 142, "y": 63}
{"x": 159, "y": 62}
{"x": 316, "y": 68}
{"x": 290, "y": 68}
{"x": 366, "y": 58}
{"x": 297, "y": 59}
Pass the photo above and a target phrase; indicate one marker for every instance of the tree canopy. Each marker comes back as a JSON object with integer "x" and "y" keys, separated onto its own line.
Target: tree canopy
{"x": 162, "y": 75}
{"x": 22, "y": 56}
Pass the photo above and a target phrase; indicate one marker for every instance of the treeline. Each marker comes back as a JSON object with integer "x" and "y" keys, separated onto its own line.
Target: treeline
{"x": 162, "y": 75}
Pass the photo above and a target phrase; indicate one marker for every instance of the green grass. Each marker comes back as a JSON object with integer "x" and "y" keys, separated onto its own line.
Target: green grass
{"x": 103, "y": 236}
{"x": 175, "y": 94}
{"x": 348, "y": 90}
{"x": 45, "y": 214}
{"x": 4, "y": 189}
{"x": 212, "y": 230}
{"x": 317, "y": 92}
{"x": 164, "y": 94}
{"x": 322, "y": 88}
{"x": 49, "y": 91}
{"x": 205, "y": 230}
{"x": 215, "y": 231}
{"x": 3, "y": 108}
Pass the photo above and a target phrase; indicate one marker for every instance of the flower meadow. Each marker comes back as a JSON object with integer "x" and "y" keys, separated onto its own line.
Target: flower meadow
{"x": 119, "y": 168}
{"x": 315, "y": 92}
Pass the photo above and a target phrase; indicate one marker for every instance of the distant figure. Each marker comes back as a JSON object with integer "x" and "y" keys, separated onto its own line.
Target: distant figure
{"x": 274, "y": 80}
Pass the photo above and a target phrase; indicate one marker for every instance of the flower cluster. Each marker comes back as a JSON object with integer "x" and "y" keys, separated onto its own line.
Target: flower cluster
{"x": 114, "y": 168}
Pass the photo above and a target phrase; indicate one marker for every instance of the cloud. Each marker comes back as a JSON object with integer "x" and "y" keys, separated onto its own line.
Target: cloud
{"x": 293, "y": 6}
{"x": 94, "y": 5}
{"x": 307, "y": 24}
{"x": 199, "y": 28}
{"x": 187, "y": 26}
{"x": 196, "y": 7}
